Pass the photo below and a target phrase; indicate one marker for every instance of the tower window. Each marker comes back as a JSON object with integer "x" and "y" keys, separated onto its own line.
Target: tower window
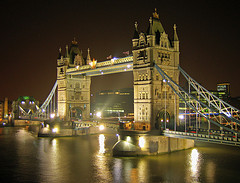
{"x": 61, "y": 71}
{"x": 143, "y": 95}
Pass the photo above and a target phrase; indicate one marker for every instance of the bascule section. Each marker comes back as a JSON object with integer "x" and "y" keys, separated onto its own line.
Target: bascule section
{"x": 155, "y": 104}
{"x": 73, "y": 90}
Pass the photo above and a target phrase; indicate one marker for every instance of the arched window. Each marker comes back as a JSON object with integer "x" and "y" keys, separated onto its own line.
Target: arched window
{"x": 143, "y": 95}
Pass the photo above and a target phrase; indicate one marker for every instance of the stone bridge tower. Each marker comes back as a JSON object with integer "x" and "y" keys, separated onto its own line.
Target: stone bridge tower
{"x": 155, "y": 104}
{"x": 73, "y": 90}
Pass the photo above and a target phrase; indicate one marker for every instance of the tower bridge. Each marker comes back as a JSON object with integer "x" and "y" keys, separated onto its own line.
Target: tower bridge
{"x": 156, "y": 71}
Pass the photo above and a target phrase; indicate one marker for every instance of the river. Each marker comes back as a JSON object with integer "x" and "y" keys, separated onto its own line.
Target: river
{"x": 27, "y": 158}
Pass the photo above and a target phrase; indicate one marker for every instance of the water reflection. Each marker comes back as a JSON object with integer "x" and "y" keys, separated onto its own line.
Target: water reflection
{"x": 101, "y": 163}
{"x": 27, "y": 158}
{"x": 101, "y": 139}
{"x": 194, "y": 162}
{"x": 130, "y": 170}
{"x": 50, "y": 160}
{"x": 210, "y": 171}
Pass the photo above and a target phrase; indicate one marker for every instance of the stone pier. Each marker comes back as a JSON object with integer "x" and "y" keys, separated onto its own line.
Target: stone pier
{"x": 139, "y": 143}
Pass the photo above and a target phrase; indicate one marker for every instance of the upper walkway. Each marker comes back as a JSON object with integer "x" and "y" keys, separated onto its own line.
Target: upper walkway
{"x": 114, "y": 65}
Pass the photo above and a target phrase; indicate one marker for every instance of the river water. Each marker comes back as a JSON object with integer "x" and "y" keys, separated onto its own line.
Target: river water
{"x": 27, "y": 158}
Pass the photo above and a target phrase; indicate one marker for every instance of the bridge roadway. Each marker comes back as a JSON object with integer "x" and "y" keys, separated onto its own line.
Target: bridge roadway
{"x": 214, "y": 136}
{"x": 217, "y": 137}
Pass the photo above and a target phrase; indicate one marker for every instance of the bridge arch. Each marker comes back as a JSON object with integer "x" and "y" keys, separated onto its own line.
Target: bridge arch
{"x": 76, "y": 113}
{"x": 163, "y": 117}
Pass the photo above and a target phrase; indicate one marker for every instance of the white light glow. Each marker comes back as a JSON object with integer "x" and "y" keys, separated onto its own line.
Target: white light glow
{"x": 101, "y": 127}
{"x": 141, "y": 142}
{"x": 181, "y": 117}
{"x": 54, "y": 130}
{"x": 52, "y": 115}
{"x": 99, "y": 114}
{"x": 128, "y": 139}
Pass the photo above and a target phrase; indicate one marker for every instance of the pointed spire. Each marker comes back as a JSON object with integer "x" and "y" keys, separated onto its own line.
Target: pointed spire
{"x": 60, "y": 53}
{"x": 67, "y": 53}
{"x": 136, "y": 26}
{"x": 88, "y": 57}
{"x": 149, "y": 32}
{"x": 175, "y": 38}
{"x": 136, "y": 35}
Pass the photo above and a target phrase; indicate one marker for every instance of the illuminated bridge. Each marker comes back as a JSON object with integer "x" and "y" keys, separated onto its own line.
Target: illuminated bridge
{"x": 157, "y": 92}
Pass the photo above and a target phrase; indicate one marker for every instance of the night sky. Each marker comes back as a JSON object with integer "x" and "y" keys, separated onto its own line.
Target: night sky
{"x": 33, "y": 31}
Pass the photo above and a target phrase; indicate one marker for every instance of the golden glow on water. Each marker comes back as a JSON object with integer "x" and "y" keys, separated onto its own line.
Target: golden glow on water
{"x": 101, "y": 139}
{"x": 49, "y": 160}
{"x": 89, "y": 159}
{"x": 101, "y": 163}
{"x": 142, "y": 171}
{"x": 210, "y": 171}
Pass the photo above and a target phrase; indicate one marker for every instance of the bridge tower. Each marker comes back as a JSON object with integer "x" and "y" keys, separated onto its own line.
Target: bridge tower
{"x": 155, "y": 104}
{"x": 73, "y": 91}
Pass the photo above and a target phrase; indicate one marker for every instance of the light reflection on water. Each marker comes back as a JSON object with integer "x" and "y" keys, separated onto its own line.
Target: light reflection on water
{"x": 101, "y": 144}
{"x": 194, "y": 164}
{"x": 89, "y": 159}
{"x": 101, "y": 162}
